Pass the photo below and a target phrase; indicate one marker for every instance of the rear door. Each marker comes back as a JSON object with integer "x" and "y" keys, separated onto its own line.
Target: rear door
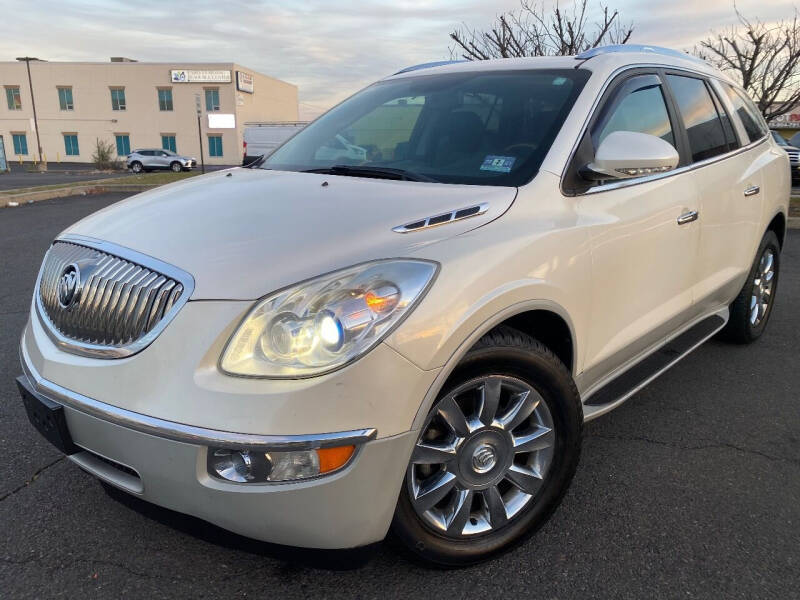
{"x": 641, "y": 256}
{"x": 729, "y": 182}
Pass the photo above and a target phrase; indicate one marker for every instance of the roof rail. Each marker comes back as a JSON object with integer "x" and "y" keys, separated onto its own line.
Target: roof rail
{"x": 620, "y": 48}
{"x": 429, "y": 65}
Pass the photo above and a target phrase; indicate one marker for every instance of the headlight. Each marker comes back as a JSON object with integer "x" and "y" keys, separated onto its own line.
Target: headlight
{"x": 322, "y": 324}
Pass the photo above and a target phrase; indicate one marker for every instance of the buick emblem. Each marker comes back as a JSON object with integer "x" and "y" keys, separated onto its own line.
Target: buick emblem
{"x": 69, "y": 286}
{"x": 484, "y": 458}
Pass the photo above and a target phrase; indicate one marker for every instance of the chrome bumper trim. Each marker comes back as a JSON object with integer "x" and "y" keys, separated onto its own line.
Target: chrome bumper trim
{"x": 189, "y": 434}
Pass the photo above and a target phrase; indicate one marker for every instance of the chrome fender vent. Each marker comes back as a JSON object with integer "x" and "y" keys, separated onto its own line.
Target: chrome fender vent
{"x": 442, "y": 219}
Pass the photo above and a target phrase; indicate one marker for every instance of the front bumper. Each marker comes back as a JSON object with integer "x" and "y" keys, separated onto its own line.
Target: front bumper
{"x": 144, "y": 424}
{"x": 350, "y": 508}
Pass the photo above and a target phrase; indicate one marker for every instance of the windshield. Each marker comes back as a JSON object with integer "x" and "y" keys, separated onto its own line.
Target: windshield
{"x": 484, "y": 128}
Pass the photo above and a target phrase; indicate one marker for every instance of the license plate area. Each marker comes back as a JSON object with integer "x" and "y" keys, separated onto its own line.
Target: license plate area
{"x": 47, "y": 417}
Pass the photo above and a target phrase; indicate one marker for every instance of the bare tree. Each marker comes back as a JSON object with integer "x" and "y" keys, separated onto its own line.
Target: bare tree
{"x": 533, "y": 30}
{"x": 765, "y": 58}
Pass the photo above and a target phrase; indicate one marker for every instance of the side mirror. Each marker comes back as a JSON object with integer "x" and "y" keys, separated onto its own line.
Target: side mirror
{"x": 626, "y": 154}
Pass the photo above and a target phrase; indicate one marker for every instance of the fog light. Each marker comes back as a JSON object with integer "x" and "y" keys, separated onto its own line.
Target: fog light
{"x": 252, "y": 466}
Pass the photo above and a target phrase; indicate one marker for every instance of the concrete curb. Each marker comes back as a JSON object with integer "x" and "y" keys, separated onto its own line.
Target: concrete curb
{"x": 11, "y": 200}
{"x": 794, "y": 223}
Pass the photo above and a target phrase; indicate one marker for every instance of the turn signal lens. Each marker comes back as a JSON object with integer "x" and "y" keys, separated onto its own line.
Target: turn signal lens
{"x": 331, "y": 459}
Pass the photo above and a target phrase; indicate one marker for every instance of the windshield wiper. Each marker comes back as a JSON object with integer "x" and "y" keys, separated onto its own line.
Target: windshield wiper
{"x": 257, "y": 162}
{"x": 372, "y": 171}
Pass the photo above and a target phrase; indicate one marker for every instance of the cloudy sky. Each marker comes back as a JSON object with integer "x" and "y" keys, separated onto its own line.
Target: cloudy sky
{"x": 329, "y": 48}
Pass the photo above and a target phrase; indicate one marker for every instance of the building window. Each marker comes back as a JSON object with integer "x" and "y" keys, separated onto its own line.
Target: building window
{"x": 117, "y": 98}
{"x": 168, "y": 141}
{"x": 215, "y": 145}
{"x": 14, "y": 99}
{"x": 71, "y": 144}
{"x": 20, "y": 143}
{"x": 212, "y": 99}
{"x": 65, "y": 98}
{"x": 123, "y": 144}
{"x": 165, "y": 99}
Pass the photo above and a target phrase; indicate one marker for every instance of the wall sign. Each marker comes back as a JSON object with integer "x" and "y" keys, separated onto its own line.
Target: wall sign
{"x": 786, "y": 121}
{"x": 244, "y": 82}
{"x": 199, "y": 76}
{"x": 221, "y": 120}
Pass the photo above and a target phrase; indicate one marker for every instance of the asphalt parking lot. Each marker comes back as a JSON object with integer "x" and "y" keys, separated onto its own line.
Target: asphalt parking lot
{"x": 689, "y": 490}
{"x": 24, "y": 176}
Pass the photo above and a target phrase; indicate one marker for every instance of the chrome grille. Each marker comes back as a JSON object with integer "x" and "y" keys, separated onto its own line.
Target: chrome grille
{"x": 118, "y": 305}
{"x": 794, "y": 156}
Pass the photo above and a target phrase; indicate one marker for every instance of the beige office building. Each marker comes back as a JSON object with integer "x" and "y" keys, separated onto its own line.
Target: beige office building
{"x": 136, "y": 105}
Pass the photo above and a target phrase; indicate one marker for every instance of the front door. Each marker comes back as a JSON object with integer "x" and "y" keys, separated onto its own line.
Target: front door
{"x": 644, "y": 239}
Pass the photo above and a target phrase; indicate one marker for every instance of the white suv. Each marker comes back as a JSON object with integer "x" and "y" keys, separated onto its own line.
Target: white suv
{"x": 318, "y": 348}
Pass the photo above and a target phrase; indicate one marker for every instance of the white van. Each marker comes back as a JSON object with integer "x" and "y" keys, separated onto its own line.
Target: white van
{"x": 261, "y": 139}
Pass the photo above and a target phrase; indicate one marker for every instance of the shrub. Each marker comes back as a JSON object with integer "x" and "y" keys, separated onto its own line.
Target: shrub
{"x": 103, "y": 157}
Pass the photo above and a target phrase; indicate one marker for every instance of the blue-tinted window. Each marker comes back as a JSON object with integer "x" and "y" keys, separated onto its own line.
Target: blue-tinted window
{"x": 13, "y": 97}
{"x": 165, "y": 99}
{"x": 123, "y": 144}
{"x": 71, "y": 144}
{"x": 168, "y": 142}
{"x": 215, "y": 145}
{"x": 20, "y": 143}
{"x": 212, "y": 99}
{"x": 117, "y": 98}
{"x": 65, "y": 98}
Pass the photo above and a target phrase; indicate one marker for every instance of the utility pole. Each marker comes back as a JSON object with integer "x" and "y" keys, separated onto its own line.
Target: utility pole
{"x": 199, "y": 108}
{"x": 27, "y": 60}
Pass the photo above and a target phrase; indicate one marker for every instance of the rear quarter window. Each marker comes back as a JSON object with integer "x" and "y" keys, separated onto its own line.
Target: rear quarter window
{"x": 746, "y": 112}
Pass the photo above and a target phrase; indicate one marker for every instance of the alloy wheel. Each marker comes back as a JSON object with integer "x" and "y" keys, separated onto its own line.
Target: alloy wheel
{"x": 483, "y": 455}
{"x": 762, "y": 287}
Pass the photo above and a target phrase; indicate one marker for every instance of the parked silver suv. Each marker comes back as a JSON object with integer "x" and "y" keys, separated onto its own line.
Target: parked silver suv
{"x": 157, "y": 158}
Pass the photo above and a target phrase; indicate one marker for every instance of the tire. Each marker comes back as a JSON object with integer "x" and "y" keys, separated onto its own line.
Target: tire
{"x": 513, "y": 361}
{"x": 175, "y": 167}
{"x": 741, "y": 327}
{"x": 137, "y": 167}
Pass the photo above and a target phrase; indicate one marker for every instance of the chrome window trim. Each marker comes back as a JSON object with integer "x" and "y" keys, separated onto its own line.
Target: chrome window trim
{"x": 180, "y": 432}
{"x": 648, "y": 178}
{"x": 72, "y": 346}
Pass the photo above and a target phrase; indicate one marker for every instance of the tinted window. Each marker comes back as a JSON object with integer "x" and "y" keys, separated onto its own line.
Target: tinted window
{"x": 747, "y": 113}
{"x": 484, "y": 128}
{"x": 642, "y": 111}
{"x": 700, "y": 116}
{"x": 727, "y": 124}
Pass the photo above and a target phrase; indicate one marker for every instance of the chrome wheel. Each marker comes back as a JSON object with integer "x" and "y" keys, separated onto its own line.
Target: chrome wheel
{"x": 483, "y": 455}
{"x": 762, "y": 287}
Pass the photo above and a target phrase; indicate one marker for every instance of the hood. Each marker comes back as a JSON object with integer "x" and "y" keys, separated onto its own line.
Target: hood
{"x": 243, "y": 233}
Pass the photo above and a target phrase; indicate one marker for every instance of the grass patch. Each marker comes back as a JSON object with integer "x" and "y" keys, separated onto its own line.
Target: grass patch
{"x": 143, "y": 179}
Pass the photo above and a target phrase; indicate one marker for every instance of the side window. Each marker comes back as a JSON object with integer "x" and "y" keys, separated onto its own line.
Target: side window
{"x": 642, "y": 110}
{"x": 746, "y": 112}
{"x": 703, "y": 124}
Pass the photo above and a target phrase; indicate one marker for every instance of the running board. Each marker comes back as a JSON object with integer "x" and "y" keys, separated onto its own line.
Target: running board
{"x": 638, "y": 376}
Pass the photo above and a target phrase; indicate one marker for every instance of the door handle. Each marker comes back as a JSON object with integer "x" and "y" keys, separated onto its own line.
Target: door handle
{"x": 688, "y": 217}
{"x": 752, "y": 191}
